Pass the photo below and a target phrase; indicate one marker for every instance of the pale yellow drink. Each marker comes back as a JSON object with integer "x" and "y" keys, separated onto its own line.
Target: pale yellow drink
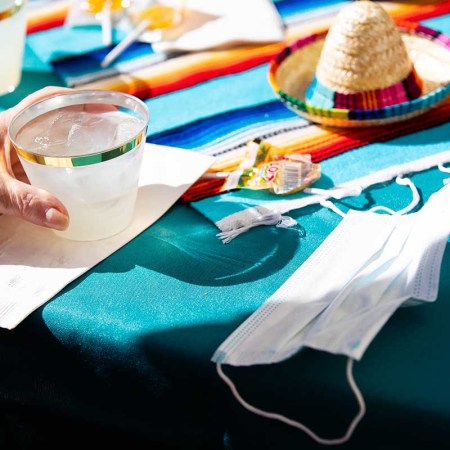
{"x": 12, "y": 40}
{"x": 89, "y": 156}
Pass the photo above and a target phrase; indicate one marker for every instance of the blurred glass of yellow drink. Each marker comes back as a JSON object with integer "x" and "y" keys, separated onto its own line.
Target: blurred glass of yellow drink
{"x": 12, "y": 40}
{"x": 97, "y": 6}
{"x": 157, "y": 15}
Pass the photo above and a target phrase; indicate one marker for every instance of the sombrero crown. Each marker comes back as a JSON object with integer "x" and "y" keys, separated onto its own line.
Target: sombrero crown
{"x": 364, "y": 63}
{"x": 365, "y": 70}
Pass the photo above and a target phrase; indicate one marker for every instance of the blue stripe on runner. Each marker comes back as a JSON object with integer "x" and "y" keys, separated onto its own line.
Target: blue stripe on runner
{"x": 288, "y": 8}
{"x": 204, "y": 131}
{"x": 216, "y": 96}
{"x": 86, "y": 68}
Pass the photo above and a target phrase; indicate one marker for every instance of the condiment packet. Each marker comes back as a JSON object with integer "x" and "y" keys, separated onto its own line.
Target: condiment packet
{"x": 264, "y": 166}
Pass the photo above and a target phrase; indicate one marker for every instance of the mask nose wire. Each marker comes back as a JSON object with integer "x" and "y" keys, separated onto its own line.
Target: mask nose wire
{"x": 275, "y": 416}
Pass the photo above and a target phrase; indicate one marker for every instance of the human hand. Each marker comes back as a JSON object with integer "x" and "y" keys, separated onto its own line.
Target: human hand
{"x": 17, "y": 196}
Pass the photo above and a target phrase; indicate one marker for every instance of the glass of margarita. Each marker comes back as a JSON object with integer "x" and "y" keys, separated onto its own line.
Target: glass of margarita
{"x": 85, "y": 147}
{"x": 12, "y": 41}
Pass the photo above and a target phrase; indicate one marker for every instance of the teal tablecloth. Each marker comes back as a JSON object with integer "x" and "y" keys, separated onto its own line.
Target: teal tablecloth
{"x": 122, "y": 355}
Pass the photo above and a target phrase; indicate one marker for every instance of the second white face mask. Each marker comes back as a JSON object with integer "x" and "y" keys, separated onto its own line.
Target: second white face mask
{"x": 264, "y": 336}
{"x": 342, "y": 295}
{"x": 340, "y": 298}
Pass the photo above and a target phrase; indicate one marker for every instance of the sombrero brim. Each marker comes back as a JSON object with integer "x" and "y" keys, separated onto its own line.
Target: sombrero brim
{"x": 291, "y": 72}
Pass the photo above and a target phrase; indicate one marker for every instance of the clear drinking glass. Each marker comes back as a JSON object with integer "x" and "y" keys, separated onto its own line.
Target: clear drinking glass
{"x": 12, "y": 41}
{"x": 85, "y": 148}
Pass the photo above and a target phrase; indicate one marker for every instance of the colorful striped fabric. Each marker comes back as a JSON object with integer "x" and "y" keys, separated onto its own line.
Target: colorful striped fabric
{"x": 301, "y": 19}
{"x": 216, "y": 101}
{"x": 45, "y": 15}
{"x": 193, "y": 69}
{"x": 320, "y": 142}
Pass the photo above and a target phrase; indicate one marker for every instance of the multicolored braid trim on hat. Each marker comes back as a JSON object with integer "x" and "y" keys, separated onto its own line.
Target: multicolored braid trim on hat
{"x": 407, "y": 89}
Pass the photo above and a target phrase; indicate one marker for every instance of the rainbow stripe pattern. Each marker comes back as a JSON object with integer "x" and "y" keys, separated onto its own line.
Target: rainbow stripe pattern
{"x": 214, "y": 102}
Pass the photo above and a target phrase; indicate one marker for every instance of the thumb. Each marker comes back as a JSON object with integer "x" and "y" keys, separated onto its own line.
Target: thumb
{"x": 32, "y": 204}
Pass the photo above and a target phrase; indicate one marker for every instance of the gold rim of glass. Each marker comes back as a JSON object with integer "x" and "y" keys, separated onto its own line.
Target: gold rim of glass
{"x": 83, "y": 160}
{"x": 12, "y": 10}
{"x": 81, "y": 97}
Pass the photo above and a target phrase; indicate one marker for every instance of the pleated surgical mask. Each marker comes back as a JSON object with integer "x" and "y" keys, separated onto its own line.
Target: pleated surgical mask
{"x": 339, "y": 299}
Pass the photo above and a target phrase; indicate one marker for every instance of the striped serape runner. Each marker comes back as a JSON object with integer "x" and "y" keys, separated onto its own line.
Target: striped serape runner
{"x": 45, "y": 15}
{"x": 319, "y": 142}
{"x": 216, "y": 101}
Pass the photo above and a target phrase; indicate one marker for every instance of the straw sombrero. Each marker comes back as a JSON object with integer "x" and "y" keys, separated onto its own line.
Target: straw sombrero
{"x": 366, "y": 70}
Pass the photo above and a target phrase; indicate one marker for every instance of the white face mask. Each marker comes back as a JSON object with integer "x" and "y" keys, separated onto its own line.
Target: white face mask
{"x": 340, "y": 298}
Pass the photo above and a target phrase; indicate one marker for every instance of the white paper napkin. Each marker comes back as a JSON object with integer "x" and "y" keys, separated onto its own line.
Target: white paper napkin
{"x": 35, "y": 264}
{"x": 230, "y": 22}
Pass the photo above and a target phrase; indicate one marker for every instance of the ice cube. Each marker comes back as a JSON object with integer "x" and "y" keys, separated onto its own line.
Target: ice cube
{"x": 91, "y": 133}
{"x": 128, "y": 128}
{"x": 36, "y": 136}
{"x": 58, "y": 128}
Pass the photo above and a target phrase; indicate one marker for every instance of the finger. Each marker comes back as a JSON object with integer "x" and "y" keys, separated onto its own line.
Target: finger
{"x": 11, "y": 164}
{"x": 17, "y": 170}
{"x": 32, "y": 204}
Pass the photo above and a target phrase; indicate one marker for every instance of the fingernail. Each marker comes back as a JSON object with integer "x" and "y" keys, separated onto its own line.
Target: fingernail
{"x": 56, "y": 219}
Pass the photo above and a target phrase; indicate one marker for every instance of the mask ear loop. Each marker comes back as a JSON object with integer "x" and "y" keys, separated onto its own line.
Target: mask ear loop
{"x": 275, "y": 416}
{"x": 400, "y": 180}
{"x": 414, "y": 201}
{"x": 444, "y": 169}
{"x": 354, "y": 191}
{"x": 330, "y": 205}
